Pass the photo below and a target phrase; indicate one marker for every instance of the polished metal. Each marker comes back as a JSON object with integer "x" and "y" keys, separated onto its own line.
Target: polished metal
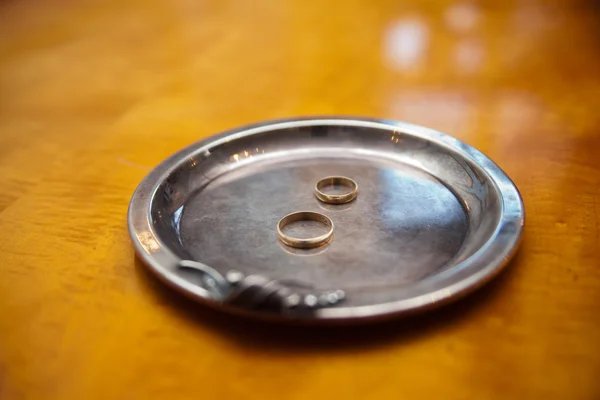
{"x": 336, "y": 198}
{"x": 305, "y": 243}
{"x": 435, "y": 218}
{"x": 259, "y": 293}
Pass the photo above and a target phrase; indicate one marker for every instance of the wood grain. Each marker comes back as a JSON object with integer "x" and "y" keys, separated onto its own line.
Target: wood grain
{"x": 95, "y": 93}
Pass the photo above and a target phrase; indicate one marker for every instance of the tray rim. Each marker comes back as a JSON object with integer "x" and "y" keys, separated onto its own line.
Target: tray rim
{"x": 487, "y": 262}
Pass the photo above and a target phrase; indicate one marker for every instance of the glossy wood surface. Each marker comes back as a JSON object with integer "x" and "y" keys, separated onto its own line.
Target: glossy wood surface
{"x": 94, "y": 94}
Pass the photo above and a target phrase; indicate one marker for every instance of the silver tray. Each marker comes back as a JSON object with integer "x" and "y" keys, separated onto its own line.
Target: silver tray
{"x": 433, "y": 221}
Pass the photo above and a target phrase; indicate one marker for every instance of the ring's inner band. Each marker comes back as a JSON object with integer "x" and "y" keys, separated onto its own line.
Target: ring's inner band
{"x": 305, "y": 242}
{"x": 304, "y": 216}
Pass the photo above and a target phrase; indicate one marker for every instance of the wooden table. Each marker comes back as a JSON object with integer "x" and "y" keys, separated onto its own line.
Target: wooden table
{"x": 93, "y": 94}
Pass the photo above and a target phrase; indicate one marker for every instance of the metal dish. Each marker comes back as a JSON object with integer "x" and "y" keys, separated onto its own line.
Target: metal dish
{"x": 435, "y": 219}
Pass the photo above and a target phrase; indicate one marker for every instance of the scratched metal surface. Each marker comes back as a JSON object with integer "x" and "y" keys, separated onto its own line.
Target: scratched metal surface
{"x": 404, "y": 226}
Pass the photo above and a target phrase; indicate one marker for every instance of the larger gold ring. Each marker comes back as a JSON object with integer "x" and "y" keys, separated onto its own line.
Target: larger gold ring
{"x": 336, "y": 198}
{"x": 307, "y": 243}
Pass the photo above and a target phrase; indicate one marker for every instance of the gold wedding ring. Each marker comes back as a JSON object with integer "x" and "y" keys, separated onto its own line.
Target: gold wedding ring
{"x": 336, "y": 198}
{"x": 309, "y": 242}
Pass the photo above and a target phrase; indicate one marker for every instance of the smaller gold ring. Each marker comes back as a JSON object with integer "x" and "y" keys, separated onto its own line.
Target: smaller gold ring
{"x": 307, "y": 243}
{"x": 336, "y": 198}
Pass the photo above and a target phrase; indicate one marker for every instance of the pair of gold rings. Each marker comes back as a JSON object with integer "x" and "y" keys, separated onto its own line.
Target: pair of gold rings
{"x": 307, "y": 243}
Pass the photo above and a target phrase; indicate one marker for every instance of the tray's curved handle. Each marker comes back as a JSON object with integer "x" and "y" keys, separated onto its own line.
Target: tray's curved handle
{"x": 259, "y": 292}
